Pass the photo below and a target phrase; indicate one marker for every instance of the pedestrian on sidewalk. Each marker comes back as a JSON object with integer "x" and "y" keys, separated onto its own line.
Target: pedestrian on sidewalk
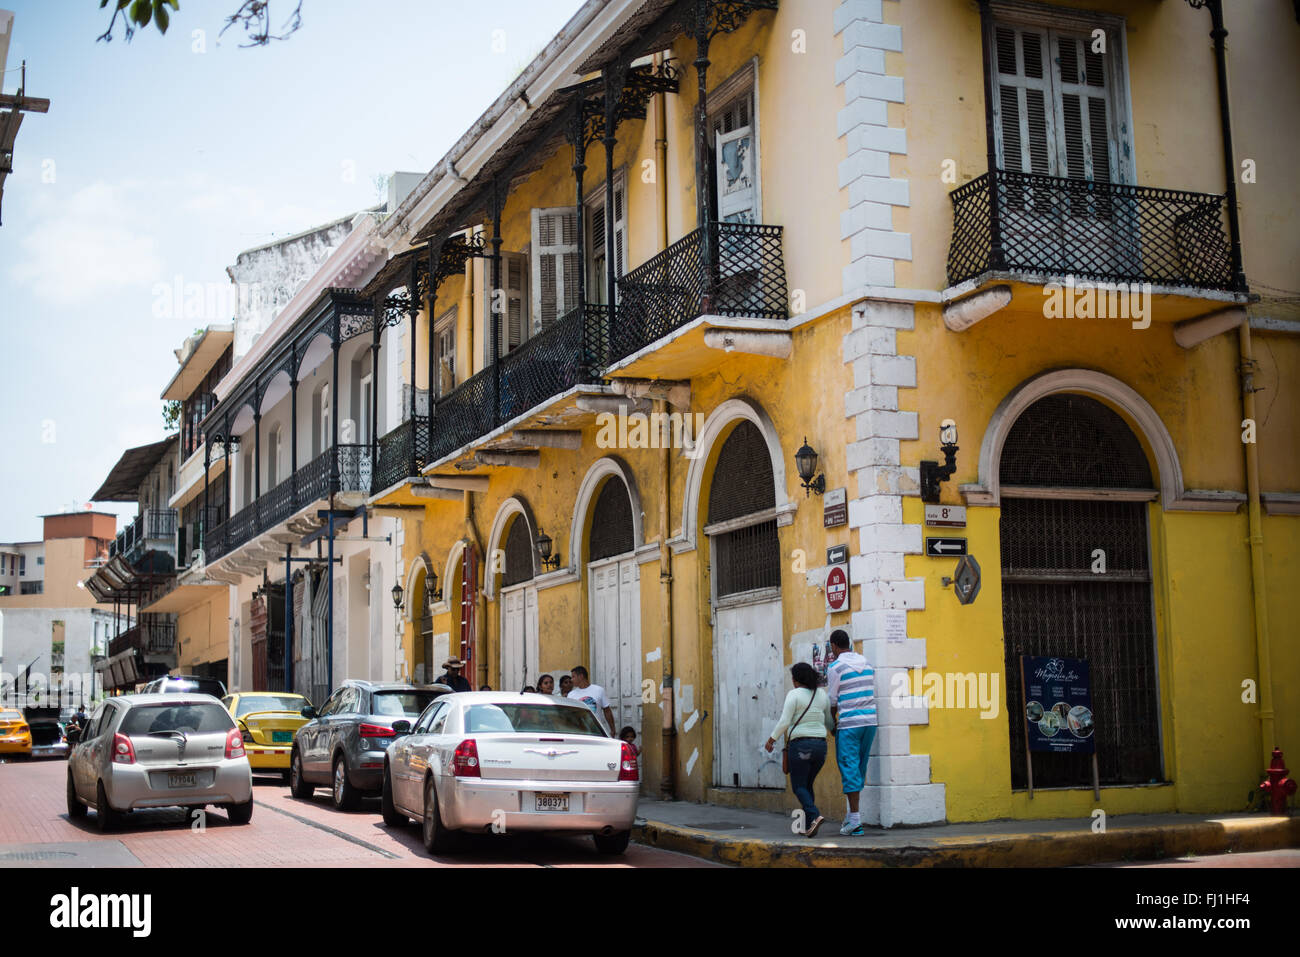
{"x": 805, "y": 738}
{"x": 566, "y": 685}
{"x": 546, "y": 684}
{"x": 452, "y": 676}
{"x": 593, "y": 696}
{"x": 851, "y": 686}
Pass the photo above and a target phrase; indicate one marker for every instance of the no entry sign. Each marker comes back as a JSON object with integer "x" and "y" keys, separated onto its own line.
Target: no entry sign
{"x": 837, "y": 579}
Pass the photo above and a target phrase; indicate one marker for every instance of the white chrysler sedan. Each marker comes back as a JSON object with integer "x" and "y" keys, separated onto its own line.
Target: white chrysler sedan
{"x": 494, "y": 762}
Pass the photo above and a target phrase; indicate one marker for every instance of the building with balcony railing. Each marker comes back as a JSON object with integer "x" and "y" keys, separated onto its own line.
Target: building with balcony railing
{"x": 779, "y": 229}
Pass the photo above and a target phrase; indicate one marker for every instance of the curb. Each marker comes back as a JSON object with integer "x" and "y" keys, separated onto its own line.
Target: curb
{"x": 1142, "y": 843}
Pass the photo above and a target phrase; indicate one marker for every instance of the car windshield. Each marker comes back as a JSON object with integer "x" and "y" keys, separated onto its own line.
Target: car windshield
{"x": 269, "y": 702}
{"x": 542, "y": 718}
{"x": 196, "y": 718}
{"x": 401, "y": 704}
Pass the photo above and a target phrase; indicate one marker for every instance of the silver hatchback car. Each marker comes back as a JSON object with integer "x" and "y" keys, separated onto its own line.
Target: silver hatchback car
{"x": 159, "y": 750}
{"x": 493, "y": 761}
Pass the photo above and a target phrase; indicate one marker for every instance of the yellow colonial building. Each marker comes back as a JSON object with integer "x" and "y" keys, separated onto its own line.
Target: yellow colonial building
{"x": 687, "y": 308}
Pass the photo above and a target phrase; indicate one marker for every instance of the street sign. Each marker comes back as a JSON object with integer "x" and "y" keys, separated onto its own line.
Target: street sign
{"x": 835, "y": 508}
{"x": 966, "y": 579}
{"x": 945, "y": 547}
{"x": 946, "y": 516}
{"x": 837, "y": 578}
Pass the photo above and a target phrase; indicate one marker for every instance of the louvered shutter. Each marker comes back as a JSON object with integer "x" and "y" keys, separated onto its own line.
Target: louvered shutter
{"x": 1085, "y": 141}
{"x": 1023, "y": 109}
{"x": 596, "y": 278}
{"x": 514, "y": 317}
{"x": 554, "y": 264}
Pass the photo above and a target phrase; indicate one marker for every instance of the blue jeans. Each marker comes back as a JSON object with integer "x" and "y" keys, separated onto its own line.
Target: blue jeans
{"x": 807, "y": 755}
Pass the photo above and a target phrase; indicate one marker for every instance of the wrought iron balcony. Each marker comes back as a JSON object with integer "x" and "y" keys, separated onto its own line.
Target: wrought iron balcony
{"x": 401, "y": 453}
{"x": 1040, "y": 226}
{"x": 342, "y": 468}
{"x": 675, "y": 287}
{"x": 154, "y": 529}
{"x": 147, "y": 638}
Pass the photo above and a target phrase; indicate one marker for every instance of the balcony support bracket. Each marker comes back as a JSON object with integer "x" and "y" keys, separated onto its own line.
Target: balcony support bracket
{"x": 961, "y": 315}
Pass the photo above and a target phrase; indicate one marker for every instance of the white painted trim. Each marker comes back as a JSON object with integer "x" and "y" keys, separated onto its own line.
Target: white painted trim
{"x": 953, "y": 293}
{"x": 726, "y": 413}
{"x": 1086, "y": 382}
{"x": 610, "y": 465}
{"x": 420, "y": 561}
{"x": 1107, "y": 494}
{"x": 783, "y": 514}
{"x": 1281, "y": 503}
{"x": 758, "y": 596}
{"x": 511, "y": 506}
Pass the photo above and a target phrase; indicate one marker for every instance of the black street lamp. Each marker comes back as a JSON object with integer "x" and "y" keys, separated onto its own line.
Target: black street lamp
{"x": 932, "y": 475}
{"x": 432, "y": 591}
{"x": 544, "y": 550}
{"x": 805, "y": 461}
{"x": 397, "y": 596}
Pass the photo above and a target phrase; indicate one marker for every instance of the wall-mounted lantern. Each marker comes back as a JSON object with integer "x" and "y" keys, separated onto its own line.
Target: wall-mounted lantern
{"x": 544, "y": 550}
{"x": 397, "y": 596}
{"x": 932, "y": 474}
{"x": 805, "y": 461}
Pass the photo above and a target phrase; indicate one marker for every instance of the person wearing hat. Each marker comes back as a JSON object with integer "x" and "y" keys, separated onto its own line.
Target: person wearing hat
{"x": 452, "y": 677}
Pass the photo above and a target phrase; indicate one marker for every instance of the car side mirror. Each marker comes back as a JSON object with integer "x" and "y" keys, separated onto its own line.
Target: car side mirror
{"x": 309, "y": 712}
{"x": 402, "y": 727}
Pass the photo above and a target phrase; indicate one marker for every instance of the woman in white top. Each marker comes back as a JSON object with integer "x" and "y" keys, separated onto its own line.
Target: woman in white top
{"x": 807, "y": 718}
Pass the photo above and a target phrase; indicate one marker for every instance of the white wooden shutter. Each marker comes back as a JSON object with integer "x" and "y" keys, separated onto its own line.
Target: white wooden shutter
{"x": 1085, "y": 147}
{"x": 514, "y": 316}
{"x": 1023, "y": 108}
{"x": 554, "y": 264}
{"x": 596, "y": 278}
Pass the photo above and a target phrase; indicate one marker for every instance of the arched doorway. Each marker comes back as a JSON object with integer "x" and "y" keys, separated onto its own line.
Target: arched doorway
{"x": 748, "y": 637}
{"x": 614, "y": 596}
{"x": 519, "y": 627}
{"x": 1076, "y": 581}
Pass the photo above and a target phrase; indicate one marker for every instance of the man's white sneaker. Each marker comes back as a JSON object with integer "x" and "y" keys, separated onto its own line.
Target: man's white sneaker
{"x": 847, "y": 829}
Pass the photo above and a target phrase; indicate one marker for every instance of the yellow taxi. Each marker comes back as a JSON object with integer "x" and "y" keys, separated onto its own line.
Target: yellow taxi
{"x": 15, "y": 734}
{"x": 267, "y": 720}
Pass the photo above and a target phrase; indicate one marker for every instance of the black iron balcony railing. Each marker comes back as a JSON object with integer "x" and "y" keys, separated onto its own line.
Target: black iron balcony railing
{"x": 154, "y": 527}
{"x": 342, "y": 468}
{"x": 463, "y": 414}
{"x": 148, "y": 638}
{"x": 571, "y": 351}
{"x": 675, "y": 287}
{"x": 1006, "y": 222}
{"x": 401, "y": 453}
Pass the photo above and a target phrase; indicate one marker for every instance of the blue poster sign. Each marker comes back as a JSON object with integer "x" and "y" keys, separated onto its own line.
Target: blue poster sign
{"x": 1058, "y": 705}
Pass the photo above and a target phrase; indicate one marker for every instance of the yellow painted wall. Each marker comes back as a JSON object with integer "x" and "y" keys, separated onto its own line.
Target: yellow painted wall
{"x": 203, "y": 631}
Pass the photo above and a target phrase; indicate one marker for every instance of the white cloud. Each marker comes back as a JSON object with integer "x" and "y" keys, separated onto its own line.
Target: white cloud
{"x": 86, "y": 246}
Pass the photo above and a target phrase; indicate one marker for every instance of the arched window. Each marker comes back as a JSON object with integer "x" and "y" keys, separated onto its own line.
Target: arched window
{"x": 748, "y": 557}
{"x": 519, "y": 553}
{"x": 611, "y": 522}
{"x": 1076, "y": 582}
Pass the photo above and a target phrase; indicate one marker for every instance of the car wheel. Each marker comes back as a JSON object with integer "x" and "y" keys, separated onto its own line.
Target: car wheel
{"x": 437, "y": 839}
{"x": 299, "y": 786}
{"x": 615, "y": 843}
{"x": 346, "y": 797}
{"x": 75, "y": 807}
{"x": 392, "y": 817}
{"x": 240, "y": 813}
{"x": 105, "y": 816}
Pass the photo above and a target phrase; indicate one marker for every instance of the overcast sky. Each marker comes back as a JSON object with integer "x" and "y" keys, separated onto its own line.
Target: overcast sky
{"x": 156, "y": 161}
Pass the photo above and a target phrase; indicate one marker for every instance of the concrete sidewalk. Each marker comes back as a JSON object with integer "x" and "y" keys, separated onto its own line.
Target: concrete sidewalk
{"x": 763, "y": 839}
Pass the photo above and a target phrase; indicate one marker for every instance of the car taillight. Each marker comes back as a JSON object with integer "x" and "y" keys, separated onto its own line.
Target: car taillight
{"x": 376, "y": 731}
{"x": 245, "y": 734}
{"x": 627, "y": 768}
{"x": 234, "y": 744}
{"x": 465, "y": 760}
{"x": 123, "y": 752}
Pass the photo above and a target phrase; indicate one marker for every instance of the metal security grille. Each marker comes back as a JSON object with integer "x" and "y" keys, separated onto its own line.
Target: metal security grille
{"x": 748, "y": 558}
{"x": 611, "y": 522}
{"x": 519, "y": 553}
{"x": 742, "y": 479}
{"x": 1076, "y": 582}
{"x": 1073, "y": 441}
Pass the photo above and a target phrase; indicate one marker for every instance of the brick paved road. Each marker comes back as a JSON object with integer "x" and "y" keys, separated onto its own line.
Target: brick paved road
{"x": 283, "y": 832}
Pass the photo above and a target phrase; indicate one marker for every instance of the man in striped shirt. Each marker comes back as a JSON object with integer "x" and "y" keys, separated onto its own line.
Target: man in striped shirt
{"x": 851, "y": 686}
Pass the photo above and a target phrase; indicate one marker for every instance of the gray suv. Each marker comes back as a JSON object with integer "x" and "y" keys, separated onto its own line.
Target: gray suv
{"x": 343, "y": 745}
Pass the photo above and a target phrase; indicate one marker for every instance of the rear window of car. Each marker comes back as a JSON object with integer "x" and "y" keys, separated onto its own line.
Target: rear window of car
{"x": 197, "y": 718}
{"x": 543, "y": 718}
{"x": 269, "y": 702}
{"x": 400, "y": 704}
{"x": 192, "y": 685}
{"x": 10, "y": 716}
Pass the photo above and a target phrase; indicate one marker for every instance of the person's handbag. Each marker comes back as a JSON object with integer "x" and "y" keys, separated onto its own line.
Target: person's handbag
{"x": 785, "y": 751}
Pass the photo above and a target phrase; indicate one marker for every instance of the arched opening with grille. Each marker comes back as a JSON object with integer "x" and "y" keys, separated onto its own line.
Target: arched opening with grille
{"x": 519, "y": 553}
{"x": 748, "y": 557}
{"x": 1076, "y": 582}
{"x": 611, "y": 522}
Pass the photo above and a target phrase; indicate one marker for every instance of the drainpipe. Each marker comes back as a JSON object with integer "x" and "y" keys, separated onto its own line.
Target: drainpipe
{"x": 1220, "y": 34}
{"x": 1256, "y": 541}
{"x": 473, "y": 541}
{"x": 668, "y": 775}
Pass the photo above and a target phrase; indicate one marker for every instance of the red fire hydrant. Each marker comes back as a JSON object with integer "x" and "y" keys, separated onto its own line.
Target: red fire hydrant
{"x": 1278, "y": 787}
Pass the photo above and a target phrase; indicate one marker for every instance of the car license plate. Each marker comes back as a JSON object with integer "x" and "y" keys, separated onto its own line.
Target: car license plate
{"x": 281, "y": 737}
{"x": 552, "y": 802}
{"x": 180, "y": 780}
